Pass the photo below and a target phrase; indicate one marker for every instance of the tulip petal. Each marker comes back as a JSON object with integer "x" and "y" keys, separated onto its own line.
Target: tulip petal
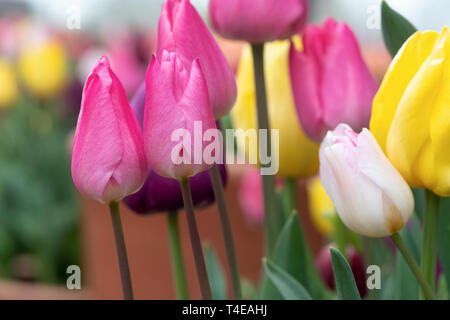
{"x": 182, "y": 30}
{"x": 374, "y": 164}
{"x": 108, "y": 161}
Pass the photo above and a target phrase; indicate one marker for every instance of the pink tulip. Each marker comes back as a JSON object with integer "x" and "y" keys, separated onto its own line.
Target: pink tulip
{"x": 108, "y": 159}
{"x": 258, "y": 21}
{"x": 330, "y": 81}
{"x": 176, "y": 101}
{"x": 182, "y": 30}
{"x": 370, "y": 195}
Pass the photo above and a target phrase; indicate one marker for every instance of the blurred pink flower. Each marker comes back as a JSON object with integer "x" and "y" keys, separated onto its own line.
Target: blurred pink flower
{"x": 258, "y": 21}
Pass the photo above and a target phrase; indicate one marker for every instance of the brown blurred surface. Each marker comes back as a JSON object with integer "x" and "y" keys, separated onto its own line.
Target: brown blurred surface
{"x": 147, "y": 244}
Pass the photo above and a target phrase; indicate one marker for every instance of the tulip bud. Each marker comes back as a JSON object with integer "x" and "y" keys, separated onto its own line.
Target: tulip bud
{"x": 282, "y": 115}
{"x": 325, "y": 268}
{"x": 370, "y": 196}
{"x": 410, "y": 117}
{"x": 258, "y": 21}
{"x": 176, "y": 107}
{"x": 182, "y": 30}
{"x": 108, "y": 159}
{"x": 159, "y": 194}
{"x": 330, "y": 81}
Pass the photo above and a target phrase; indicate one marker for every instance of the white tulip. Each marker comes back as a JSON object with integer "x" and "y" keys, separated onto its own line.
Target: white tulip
{"x": 369, "y": 194}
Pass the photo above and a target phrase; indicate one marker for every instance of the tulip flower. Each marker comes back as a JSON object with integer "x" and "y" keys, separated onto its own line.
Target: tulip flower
{"x": 370, "y": 196}
{"x": 325, "y": 268}
{"x": 298, "y": 155}
{"x": 176, "y": 101}
{"x": 43, "y": 68}
{"x": 330, "y": 81}
{"x": 410, "y": 117}
{"x": 182, "y": 30}
{"x": 159, "y": 194}
{"x": 8, "y": 88}
{"x": 108, "y": 159}
{"x": 258, "y": 21}
{"x": 321, "y": 207}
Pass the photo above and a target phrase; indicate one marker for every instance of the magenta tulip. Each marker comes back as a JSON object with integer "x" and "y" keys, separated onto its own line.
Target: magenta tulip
{"x": 258, "y": 21}
{"x": 182, "y": 30}
{"x": 331, "y": 82}
{"x": 177, "y": 113}
{"x": 159, "y": 194}
{"x": 108, "y": 159}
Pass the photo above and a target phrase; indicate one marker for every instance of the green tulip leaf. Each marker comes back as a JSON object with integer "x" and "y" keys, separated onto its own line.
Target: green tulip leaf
{"x": 215, "y": 274}
{"x": 292, "y": 254}
{"x": 289, "y": 288}
{"x": 345, "y": 281}
{"x": 396, "y": 29}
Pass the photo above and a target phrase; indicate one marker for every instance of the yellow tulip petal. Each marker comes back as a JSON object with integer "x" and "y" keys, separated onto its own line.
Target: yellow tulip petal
{"x": 321, "y": 207}
{"x": 427, "y": 95}
{"x": 8, "y": 84}
{"x": 403, "y": 68}
{"x": 298, "y": 154}
{"x": 43, "y": 68}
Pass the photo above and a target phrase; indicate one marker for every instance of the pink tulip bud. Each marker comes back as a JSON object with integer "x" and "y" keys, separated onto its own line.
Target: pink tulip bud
{"x": 369, "y": 194}
{"x": 258, "y": 21}
{"x": 330, "y": 81}
{"x": 177, "y": 115}
{"x": 108, "y": 159}
{"x": 182, "y": 30}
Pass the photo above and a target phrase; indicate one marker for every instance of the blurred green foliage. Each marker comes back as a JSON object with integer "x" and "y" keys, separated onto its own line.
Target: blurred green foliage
{"x": 38, "y": 208}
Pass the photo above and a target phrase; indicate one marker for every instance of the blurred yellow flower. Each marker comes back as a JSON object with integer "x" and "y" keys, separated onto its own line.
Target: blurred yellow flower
{"x": 43, "y": 68}
{"x": 298, "y": 154}
{"x": 8, "y": 85}
{"x": 321, "y": 207}
{"x": 411, "y": 111}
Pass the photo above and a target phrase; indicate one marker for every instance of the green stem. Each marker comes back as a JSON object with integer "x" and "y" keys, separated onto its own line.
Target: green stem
{"x": 290, "y": 186}
{"x": 426, "y": 289}
{"x": 125, "y": 277}
{"x": 195, "y": 240}
{"x": 429, "y": 241}
{"x": 340, "y": 234}
{"x": 271, "y": 227}
{"x": 176, "y": 256}
{"x": 219, "y": 195}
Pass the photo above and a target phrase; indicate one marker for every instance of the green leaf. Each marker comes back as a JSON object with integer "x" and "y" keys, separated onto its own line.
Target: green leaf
{"x": 345, "y": 281}
{"x": 292, "y": 254}
{"x": 396, "y": 29}
{"x": 444, "y": 237}
{"x": 215, "y": 274}
{"x": 289, "y": 288}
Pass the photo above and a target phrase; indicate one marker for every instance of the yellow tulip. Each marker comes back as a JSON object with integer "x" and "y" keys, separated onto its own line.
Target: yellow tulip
{"x": 321, "y": 207}
{"x": 411, "y": 111}
{"x": 43, "y": 68}
{"x": 8, "y": 85}
{"x": 298, "y": 155}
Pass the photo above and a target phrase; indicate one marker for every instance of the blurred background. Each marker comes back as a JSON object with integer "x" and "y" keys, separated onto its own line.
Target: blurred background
{"x": 47, "y": 49}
